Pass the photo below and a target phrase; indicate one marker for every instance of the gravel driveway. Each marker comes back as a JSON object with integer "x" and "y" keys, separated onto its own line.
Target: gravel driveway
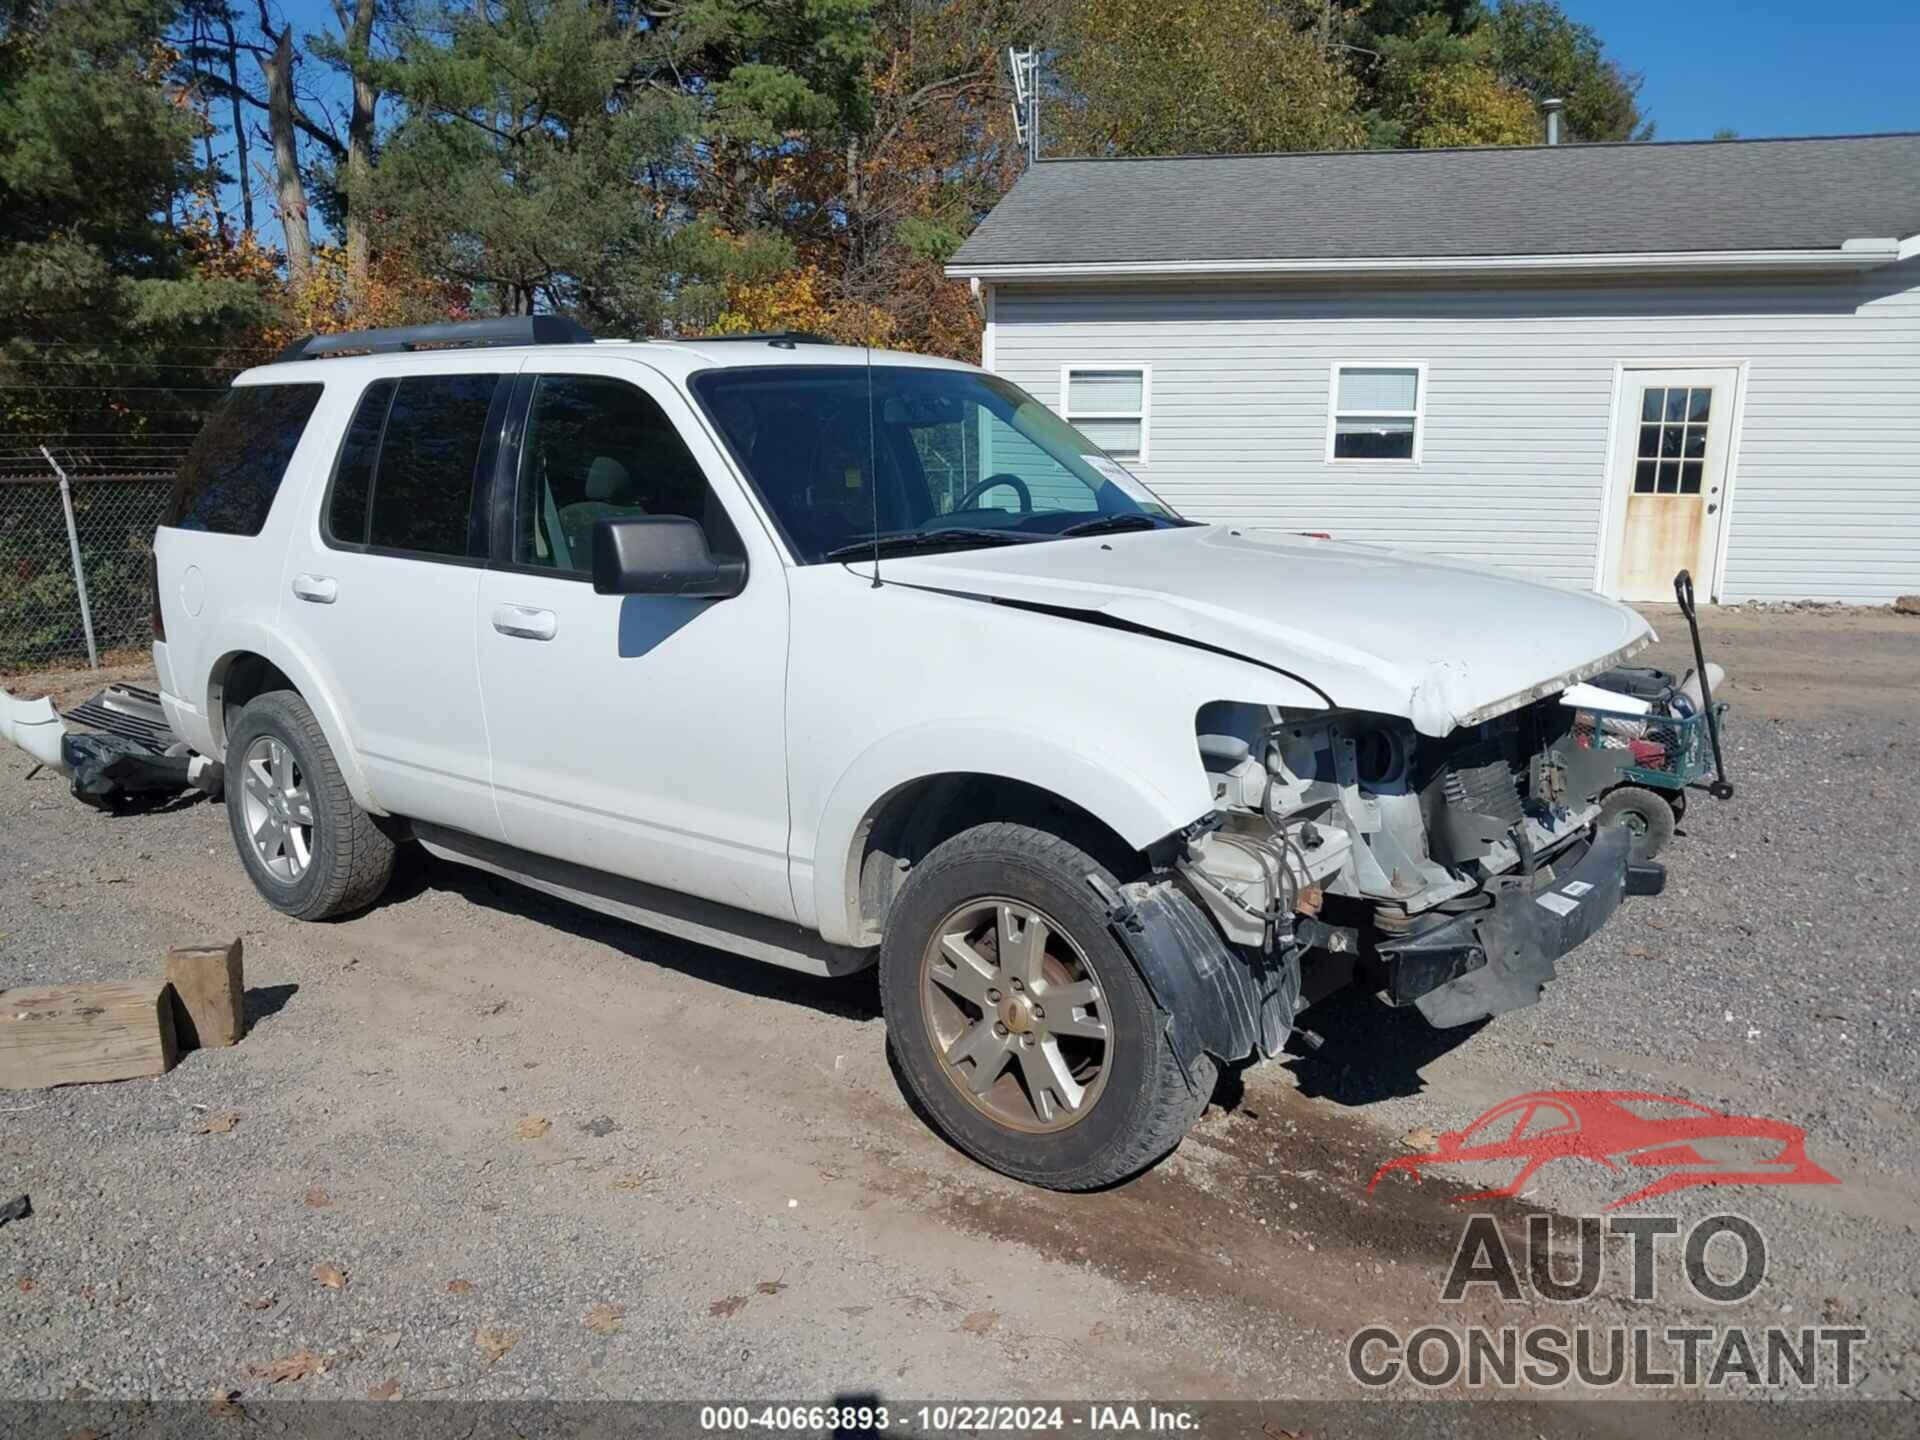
{"x": 491, "y": 1146}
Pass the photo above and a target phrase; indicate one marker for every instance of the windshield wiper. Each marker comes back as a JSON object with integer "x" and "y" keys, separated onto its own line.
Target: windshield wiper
{"x": 1113, "y": 524}
{"x": 924, "y": 540}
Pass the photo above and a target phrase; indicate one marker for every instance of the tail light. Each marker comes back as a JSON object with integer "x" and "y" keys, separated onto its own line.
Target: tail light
{"x": 153, "y": 578}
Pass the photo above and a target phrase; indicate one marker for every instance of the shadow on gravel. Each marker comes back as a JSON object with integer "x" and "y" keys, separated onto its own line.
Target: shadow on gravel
{"x": 1372, "y": 1051}
{"x": 265, "y": 1000}
{"x": 851, "y": 997}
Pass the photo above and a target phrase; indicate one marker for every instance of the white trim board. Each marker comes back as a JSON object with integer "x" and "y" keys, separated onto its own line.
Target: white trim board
{"x": 1853, "y": 255}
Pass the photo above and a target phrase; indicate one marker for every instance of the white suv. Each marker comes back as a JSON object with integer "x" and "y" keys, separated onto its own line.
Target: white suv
{"x": 827, "y": 658}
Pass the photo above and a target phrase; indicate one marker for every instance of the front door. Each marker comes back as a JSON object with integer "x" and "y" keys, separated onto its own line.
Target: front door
{"x": 643, "y": 735}
{"x": 1669, "y": 480}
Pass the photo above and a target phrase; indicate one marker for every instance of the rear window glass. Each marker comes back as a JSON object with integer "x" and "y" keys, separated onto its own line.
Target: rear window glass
{"x": 429, "y": 458}
{"x": 353, "y": 475}
{"x": 229, "y": 479}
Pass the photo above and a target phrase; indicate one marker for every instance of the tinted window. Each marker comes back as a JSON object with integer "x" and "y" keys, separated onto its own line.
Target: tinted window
{"x": 353, "y": 475}
{"x": 429, "y": 459}
{"x": 598, "y": 449}
{"x": 234, "y": 469}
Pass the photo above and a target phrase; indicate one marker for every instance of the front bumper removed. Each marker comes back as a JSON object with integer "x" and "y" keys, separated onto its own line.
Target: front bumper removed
{"x": 1466, "y": 967}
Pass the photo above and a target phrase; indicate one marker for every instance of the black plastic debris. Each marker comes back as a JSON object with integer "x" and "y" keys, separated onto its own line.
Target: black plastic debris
{"x": 18, "y": 1208}
{"x": 111, "y": 772}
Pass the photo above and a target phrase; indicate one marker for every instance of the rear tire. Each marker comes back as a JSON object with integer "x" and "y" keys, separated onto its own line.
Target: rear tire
{"x": 1646, "y": 813}
{"x": 310, "y": 850}
{"x": 1047, "y": 1061}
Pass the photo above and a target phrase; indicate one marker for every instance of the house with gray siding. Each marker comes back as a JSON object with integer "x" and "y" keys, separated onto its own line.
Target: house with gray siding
{"x": 1597, "y": 364}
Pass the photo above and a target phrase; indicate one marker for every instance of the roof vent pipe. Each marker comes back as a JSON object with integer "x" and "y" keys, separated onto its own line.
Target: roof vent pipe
{"x": 1553, "y": 109}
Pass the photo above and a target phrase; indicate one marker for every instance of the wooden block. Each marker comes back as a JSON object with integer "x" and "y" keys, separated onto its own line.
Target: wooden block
{"x": 211, "y": 1008}
{"x": 77, "y": 1034}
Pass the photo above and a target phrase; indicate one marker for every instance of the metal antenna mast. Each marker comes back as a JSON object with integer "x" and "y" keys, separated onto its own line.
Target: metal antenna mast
{"x": 1024, "y": 65}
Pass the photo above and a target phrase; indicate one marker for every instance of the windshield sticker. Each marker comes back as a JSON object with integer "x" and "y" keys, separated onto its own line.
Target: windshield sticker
{"x": 1116, "y": 475}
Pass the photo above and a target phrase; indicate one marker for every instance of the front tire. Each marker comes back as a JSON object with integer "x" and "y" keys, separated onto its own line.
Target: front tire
{"x": 310, "y": 850}
{"x": 1018, "y": 1022}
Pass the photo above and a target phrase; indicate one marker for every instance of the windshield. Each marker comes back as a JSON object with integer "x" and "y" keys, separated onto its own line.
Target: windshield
{"x": 922, "y": 458}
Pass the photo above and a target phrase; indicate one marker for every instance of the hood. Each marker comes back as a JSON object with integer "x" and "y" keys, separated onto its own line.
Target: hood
{"x": 1440, "y": 642}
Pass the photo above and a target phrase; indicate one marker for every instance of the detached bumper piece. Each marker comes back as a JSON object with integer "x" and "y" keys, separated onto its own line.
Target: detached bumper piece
{"x": 134, "y": 759}
{"x": 1466, "y": 967}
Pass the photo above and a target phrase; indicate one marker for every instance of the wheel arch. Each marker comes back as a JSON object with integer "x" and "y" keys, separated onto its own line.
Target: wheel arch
{"x": 260, "y": 661}
{"x": 894, "y": 806}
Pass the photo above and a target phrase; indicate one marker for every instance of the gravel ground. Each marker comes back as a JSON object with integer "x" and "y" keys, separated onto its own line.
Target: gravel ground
{"x": 553, "y": 1155}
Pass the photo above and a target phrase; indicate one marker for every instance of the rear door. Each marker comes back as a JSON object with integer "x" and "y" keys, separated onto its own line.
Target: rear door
{"x": 381, "y": 582}
{"x": 643, "y": 734}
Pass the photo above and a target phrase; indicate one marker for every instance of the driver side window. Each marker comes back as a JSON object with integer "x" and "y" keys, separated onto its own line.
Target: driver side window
{"x": 600, "y": 449}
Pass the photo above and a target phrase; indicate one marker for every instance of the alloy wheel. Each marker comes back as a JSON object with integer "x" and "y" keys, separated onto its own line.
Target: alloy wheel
{"x": 1016, "y": 1014}
{"x": 278, "y": 809}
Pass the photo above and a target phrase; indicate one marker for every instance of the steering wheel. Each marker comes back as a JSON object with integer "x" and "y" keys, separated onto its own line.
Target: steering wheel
{"x": 1003, "y": 478}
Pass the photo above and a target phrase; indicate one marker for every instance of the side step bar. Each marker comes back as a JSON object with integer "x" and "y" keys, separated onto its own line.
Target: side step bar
{"x": 685, "y": 917}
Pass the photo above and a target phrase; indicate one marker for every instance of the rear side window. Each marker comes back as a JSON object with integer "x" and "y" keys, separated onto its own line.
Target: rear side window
{"x": 353, "y": 476}
{"x": 409, "y": 465}
{"x": 229, "y": 479}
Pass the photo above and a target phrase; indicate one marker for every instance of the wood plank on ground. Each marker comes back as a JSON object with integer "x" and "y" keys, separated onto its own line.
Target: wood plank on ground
{"x": 76, "y": 1034}
{"x": 211, "y": 995}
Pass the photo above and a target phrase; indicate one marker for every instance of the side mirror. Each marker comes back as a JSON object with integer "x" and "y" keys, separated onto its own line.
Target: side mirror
{"x": 661, "y": 555}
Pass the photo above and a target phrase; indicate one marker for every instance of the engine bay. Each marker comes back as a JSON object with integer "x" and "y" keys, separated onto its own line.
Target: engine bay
{"x": 1356, "y": 817}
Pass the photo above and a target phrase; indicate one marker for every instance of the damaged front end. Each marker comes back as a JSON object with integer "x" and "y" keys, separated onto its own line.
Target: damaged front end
{"x": 1447, "y": 874}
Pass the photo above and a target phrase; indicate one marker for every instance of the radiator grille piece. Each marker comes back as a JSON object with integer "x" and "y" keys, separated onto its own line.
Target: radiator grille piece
{"x": 1483, "y": 790}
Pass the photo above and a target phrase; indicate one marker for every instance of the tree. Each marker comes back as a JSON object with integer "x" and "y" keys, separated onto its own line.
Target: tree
{"x": 1204, "y": 77}
{"x": 99, "y": 295}
{"x": 1435, "y": 85}
{"x": 550, "y": 152}
{"x": 1539, "y": 50}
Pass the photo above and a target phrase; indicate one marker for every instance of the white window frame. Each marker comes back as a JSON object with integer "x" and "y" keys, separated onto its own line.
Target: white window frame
{"x": 1095, "y": 367}
{"x": 1418, "y": 414}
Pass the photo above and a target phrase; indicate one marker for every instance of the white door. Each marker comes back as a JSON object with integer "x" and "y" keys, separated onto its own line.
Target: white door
{"x": 379, "y": 588}
{"x": 1669, "y": 480}
{"x": 644, "y": 735}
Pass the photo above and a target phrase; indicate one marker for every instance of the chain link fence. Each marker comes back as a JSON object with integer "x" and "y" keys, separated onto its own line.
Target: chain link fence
{"x": 101, "y": 527}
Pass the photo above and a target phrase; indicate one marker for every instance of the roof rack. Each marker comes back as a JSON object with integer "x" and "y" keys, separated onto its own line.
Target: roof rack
{"x": 785, "y": 338}
{"x": 505, "y": 330}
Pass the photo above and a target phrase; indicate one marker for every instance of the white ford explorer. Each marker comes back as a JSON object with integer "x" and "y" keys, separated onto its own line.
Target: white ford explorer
{"x": 828, "y": 658}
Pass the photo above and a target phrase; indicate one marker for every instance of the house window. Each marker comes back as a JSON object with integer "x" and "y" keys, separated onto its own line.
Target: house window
{"x": 1109, "y": 407}
{"x": 1374, "y": 411}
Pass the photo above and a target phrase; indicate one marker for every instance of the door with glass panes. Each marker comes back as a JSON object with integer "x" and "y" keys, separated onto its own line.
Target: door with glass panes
{"x": 1669, "y": 480}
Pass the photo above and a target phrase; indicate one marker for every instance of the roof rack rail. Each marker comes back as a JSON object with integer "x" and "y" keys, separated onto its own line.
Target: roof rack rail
{"x": 786, "y": 338}
{"x": 505, "y": 330}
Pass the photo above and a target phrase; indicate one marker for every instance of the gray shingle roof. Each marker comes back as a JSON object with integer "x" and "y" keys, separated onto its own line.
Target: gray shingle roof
{"x": 1560, "y": 200}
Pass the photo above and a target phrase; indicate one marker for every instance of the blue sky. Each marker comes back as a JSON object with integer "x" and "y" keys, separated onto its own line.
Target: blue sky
{"x": 1766, "y": 68}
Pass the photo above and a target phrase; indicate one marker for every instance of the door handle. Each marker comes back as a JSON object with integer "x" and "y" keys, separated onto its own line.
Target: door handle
{"x": 525, "y": 623}
{"x": 320, "y": 589}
